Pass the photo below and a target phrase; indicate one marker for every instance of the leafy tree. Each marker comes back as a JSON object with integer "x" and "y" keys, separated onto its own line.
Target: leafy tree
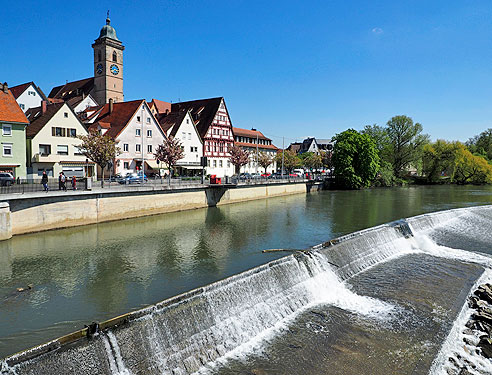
{"x": 311, "y": 161}
{"x": 239, "y": 157}
{"x": 355, "y": 159}
{"x": 469, "y": 168}
{"x": 291, "y": 160}
{"x": 381, "y": 138}
{"x": 327, "y": 159}
{"x": 265, "y": 160}
{"x": 169, "y": 152}
{"x": 481, "y": 144}
{"x": 406, "y": 143}
{"x": 101, "y": 149}
{"x": 438, "y": 159}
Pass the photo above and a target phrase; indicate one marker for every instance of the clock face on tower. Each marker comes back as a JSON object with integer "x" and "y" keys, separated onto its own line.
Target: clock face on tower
{"x": 99, "y": 68}
{"x": 114, "y": 69}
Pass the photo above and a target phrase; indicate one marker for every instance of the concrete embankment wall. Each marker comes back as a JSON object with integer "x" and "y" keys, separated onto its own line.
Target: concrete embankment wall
{"x": 41, "y": 211}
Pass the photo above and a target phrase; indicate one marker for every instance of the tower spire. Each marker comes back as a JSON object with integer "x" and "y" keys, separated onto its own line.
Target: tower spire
{"x": 108, "y": 21}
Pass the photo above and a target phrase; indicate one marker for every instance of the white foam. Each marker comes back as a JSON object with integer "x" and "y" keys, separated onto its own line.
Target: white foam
{"x": 114, "y": 356}
{"x": 454, "y": 345}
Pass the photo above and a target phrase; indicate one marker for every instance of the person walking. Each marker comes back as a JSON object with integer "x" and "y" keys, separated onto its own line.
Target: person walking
{"x": 44, "y": 181}
{"x": 63, "y": 180}
{"x": 74, "y": 183}
{"x": 59, "y": 181}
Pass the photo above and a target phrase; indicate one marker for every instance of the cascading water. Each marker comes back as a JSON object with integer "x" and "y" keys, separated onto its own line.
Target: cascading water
{"x": 201, "y": 329}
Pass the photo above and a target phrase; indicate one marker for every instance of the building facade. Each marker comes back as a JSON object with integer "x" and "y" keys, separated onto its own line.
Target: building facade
{"x": 136, "y": 132}
{"x": 52, "y": 143}
{"x": 181, "y": 126}
{"x": 28, "y": 95}
{"x": 13, "y": 124}
{"x": 255, "y": 143}
{"x": 215, "y": 128}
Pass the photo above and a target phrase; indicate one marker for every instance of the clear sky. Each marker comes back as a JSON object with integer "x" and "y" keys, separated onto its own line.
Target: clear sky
{"x": 289, "y": 68}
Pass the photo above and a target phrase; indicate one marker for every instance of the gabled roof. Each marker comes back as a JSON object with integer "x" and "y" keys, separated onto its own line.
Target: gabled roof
{"x": 72, "y": 89}
{"x": 39, "y": 119}
{"x": 9, "y": 109}
{"x": 119, "y": 118}
{"x": 170, "y": 120}
{"x": 19, "y": 89}
{"x": 161, "y": 106}
{"x": 249, "y": 133}
{"x": 202, "y": 111}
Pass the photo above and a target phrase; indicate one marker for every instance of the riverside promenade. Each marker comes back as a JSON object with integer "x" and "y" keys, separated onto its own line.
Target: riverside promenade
{"x": 38, "y": 211}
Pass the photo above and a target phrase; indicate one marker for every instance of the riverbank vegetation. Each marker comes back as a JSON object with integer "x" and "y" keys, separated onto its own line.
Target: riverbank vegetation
{"x": 398, "y": 153}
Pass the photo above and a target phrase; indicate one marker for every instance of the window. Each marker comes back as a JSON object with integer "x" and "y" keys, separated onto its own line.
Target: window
{"x": 221, "y": 147}
{"x": 220, "y": 163}
{"x": 22, "y": 106}
{"x": 7, "y": 130}
{"x": 115, "y": 57}
{"x": 125, "y": 147}
{"x": 215, "y": 147}
{"x": 57, "y": 132}
{"x": 215, "y": 163}
{"x": 149, "y": 149}
{"x": 208, "y": 162}
{"x": 99, "y": 58}
{"x": 187, "y": 120}
{"x": 192, "y": 148}
{"x": 137, "y": 148}
{"x": 44, "y": 150}
{"x": 184, "y": 135}
{"x": 149, "y": 133}
{"x": 208, "y": 147}
{"x": 73, "y": 133}
{"x": 189, "y": 136}
{"x": 7, "y": 149}
{"x": 65, "y": 114}
{"x": 137, "y": 132}
{"x": 148, "y": 120}
{"x": 33, "y": 93}
{"x": 138, "y": 118}
{"x": 228, "y": 163}
{"x": 126, "y": 165}
{"x": 62, "y": 149}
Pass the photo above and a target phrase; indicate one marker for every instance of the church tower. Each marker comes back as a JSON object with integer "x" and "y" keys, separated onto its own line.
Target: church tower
{"x": 108, "y": 65}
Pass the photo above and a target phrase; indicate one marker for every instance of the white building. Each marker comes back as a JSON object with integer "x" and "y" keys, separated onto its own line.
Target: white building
{"x": 135, "y": 130}
{"x": 81, "y": 103}
{"x": 255, "y": 143}
{"x": 28, "y": 95}
{"x": 52, "y": 142}
{"x": 180, "y": 125}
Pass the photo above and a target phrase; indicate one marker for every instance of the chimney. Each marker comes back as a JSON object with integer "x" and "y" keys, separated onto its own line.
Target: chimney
{"x": 110, "y": 105}
{"x": 44, "y": 105}
{"x": 5, "y": 88}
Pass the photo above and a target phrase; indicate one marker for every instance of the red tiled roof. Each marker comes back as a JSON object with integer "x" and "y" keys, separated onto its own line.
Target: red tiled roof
{"x": 170, "y": 120}
{"x": 10, "y": 110}
{"x": 71, "y": 89}
{"x": 161, "y": 106}
{"x": 119, "y": 118}
{"x": 253, "y": 145}
{"x": 249, "y": 133}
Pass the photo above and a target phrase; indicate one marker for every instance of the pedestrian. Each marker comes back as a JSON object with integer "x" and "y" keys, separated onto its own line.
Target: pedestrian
{"x": 63, "y": 180}
{"x": 44, "y": 181}
{"x": 74, "y": 183}
{"x": 59, "y": 181}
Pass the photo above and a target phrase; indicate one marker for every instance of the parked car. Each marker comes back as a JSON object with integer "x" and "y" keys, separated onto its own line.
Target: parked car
{"x": 116, "y": 177}
{"x": 255, "y": 175}
{"x": 6, "y": 179}
{"x": 133, "y": 178}
{"x": 298, "y": 172}
{"x": 266, "y": 175}
{"x": 244, "y": 176}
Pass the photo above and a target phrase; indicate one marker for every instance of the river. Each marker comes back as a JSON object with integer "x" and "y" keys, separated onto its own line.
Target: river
{"x": 96, "y": 272}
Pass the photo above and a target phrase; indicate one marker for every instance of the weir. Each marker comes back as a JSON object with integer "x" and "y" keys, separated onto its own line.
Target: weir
{"x": 184, "y": 334}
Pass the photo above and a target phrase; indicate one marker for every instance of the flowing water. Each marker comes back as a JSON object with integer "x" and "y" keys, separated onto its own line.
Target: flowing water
{"x": 383, "y": 301}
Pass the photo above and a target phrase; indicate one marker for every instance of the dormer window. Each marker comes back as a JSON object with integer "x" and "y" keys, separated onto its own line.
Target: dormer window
{"x": 115, "y": 58}
{"x": 99, "y": 56}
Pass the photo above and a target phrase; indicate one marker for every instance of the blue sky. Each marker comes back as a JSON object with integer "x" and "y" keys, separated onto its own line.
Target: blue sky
{"x": 289, "y": 68}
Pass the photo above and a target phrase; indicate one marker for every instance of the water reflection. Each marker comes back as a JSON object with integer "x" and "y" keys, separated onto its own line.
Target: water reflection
{"x": 99, "y": 271}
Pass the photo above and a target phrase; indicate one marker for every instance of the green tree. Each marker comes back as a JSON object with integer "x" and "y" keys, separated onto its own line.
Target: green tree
{"x": 291, "y": 160}
{"x": 355, "y": 159}
{"x": 101, "y": 149}
{"x": 406, "y": 143}
{"x": 311, "y": 161}
{"x": 481, "y": 144}
{"x": 438, "y": 159}
{"x": 469, "y": 168}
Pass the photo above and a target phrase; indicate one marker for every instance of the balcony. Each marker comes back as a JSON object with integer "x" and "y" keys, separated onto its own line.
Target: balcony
{"x": 46, "y": 158}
